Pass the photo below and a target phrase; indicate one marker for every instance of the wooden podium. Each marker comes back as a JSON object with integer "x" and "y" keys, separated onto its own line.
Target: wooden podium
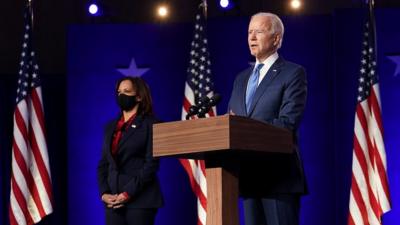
{"x": 221, "y": 141}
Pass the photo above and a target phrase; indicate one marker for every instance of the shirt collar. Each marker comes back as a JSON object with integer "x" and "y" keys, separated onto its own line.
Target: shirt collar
{"x": 268, "y": 61}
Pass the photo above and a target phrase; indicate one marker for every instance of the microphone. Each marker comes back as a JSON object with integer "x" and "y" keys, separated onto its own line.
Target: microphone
{"x": 203, "y": 101}
{"x": 214, "y": 100}
{"x": 194, "y": 109}
{"x": 207, "y": 106}
{"x": 202, "y": 112}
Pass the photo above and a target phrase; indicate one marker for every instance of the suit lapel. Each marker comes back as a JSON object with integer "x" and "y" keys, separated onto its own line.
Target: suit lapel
{"x": 243, "y": 88}
{"x": 269, "y": 77}
{"x": 108, "y": 139}
{"x": 137, "y": 122}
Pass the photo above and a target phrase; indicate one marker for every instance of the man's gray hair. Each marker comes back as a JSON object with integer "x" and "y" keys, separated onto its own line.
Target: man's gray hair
{"x": 276, "y": 24}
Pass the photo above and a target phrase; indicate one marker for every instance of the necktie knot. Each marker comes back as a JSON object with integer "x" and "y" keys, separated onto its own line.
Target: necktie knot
{"x": 258, "y": 68}
{"x": 252, "y": 86}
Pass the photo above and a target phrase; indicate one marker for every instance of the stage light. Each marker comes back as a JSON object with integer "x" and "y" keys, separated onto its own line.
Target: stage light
{"x": 162, "y": 11}
{"x": 224, "y": 3}
{"x": 295, "y": 4}
{"x": 93, "y": 9}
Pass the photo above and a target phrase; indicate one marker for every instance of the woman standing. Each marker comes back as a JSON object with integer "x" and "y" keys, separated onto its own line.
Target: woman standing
{"x": 126, "y": 172}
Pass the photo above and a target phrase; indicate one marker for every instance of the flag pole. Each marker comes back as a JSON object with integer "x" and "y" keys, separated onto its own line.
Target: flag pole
{"x": 30, "y": 11}
{"x": 204, "y": 5}
{"x": 371, "y": 5}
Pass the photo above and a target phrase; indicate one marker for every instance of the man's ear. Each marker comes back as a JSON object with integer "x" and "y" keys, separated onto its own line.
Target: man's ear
{"x": 277, "y": 39}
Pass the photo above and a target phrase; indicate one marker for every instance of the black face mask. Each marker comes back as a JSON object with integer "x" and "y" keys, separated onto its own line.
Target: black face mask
{"x": 126, "y": 102}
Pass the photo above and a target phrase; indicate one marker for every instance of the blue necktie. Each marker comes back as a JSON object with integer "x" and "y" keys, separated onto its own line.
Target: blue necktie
{"x": 252, "y": 86}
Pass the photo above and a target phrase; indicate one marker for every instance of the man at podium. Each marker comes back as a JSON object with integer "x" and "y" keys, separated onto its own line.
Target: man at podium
{"x": 273, "y": 91}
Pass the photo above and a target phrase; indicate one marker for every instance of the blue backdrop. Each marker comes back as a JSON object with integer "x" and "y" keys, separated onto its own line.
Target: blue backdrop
{"x": 327, "y": 46}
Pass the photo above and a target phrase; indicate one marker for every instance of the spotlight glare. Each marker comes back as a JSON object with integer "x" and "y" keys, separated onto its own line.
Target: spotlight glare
{"x": 162, "y": 11}
{"x": 93, "y": 9}
{"x": 224, "y": 3}
{"x": 295, "y": 4}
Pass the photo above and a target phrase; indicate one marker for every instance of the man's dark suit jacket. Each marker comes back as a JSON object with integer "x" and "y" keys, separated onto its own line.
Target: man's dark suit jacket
{"x": 133, "y": 170}
{"x": 279, "y": 100}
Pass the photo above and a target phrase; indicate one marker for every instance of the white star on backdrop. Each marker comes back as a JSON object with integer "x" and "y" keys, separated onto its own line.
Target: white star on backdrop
{"x": 396, "y": 59}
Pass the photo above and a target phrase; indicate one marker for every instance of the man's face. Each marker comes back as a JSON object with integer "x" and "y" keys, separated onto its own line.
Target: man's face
{"x": 261, "y": 42}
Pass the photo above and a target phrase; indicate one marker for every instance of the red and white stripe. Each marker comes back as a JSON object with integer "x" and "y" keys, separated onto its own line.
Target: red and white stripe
{"x": 196, "y": 169}
{"x": 31, "y": 191}
{"x": 369, "y": 196}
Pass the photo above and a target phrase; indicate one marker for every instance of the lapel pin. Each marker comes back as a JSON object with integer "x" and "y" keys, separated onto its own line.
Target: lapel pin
{"x": 133, "y": 126}
{"x": 274, "y": 70}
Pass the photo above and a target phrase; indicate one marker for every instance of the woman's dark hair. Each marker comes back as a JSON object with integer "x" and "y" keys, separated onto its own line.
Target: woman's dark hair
{"x": 142, "y": 91}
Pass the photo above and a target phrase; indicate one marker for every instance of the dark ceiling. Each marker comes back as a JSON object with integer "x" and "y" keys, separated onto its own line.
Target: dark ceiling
{"x": 127, "y": 11}
{"x": 52, "y": 17}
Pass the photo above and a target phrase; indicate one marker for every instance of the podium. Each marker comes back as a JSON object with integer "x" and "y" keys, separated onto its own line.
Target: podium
{"x": 221, "y": 141}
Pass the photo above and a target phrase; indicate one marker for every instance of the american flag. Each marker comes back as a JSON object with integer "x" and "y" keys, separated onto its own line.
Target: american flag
{"x": 31, "y": 191}
{"x": 369, "y": 195}
{"x": 198, "y": 84}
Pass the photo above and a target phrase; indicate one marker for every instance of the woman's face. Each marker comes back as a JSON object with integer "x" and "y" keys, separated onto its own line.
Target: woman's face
{"x": 126, "y": 87}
